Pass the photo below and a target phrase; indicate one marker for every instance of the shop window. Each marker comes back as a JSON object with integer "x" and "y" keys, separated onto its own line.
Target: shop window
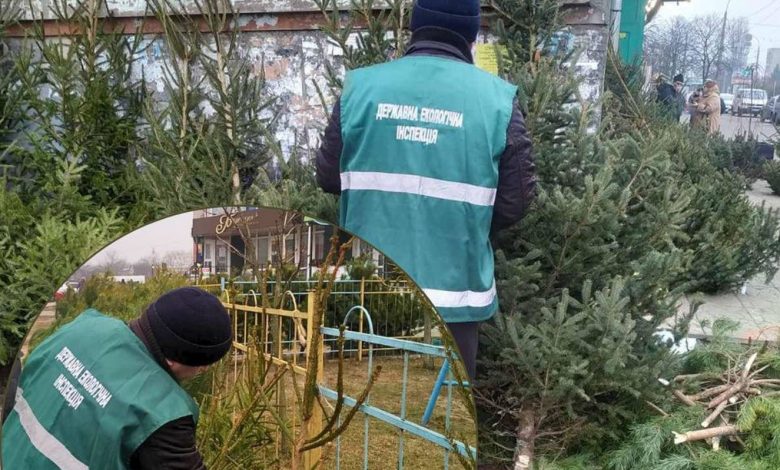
{"x": 290, "y": 248}
{"x": 318, "y": 254}
{"x": 261, "y": 250}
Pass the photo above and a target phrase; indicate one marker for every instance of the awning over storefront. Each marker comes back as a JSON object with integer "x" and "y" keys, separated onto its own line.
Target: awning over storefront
{"x": 259, "y": 221}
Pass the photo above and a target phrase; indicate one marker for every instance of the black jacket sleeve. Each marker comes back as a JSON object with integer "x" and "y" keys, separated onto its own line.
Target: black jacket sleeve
{"x": 329, "y": 154}
{"x": 516, "y": 175}
{"x": 9, "y": 400}
{"x": 171, "y": 447}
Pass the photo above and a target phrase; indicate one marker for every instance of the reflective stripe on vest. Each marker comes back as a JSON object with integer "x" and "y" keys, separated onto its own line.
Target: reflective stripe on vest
{"x": 89, "y": 395}
{"x": 455, "y": 299}
{"x": 422, "y": 141}
{"x": 42, "y": 439}
{"x": 417, "y": 185}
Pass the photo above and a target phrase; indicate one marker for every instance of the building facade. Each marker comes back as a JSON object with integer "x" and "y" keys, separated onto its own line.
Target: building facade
{"x": 772, "y": 61}
{"x": 284, "y": 44}
{"x": 234, "y": 243}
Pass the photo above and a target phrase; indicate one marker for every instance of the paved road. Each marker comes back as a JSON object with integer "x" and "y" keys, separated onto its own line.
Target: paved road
{"x": 44, "y": 320}
{"x": 733, "y": 125}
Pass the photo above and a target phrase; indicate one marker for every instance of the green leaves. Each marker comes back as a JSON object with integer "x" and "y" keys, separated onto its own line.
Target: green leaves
{"x": 372, "y": 32}
{"x": 297, "y": 190}
{"x": 40, "y": 252}
{"x": 85, "y": 107}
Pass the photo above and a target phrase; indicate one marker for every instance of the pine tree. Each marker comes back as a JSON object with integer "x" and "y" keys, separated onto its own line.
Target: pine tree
{"x": 85, "y": 151}
{"x": 771, "y": 172}
{"x": 209, "y": 135}
{"x": 81, "y": 110}
{"x": 295, "y": 187}
{"x": 601, "y": 261}
{"x": 10, "y": 95}
{"x": 51, "y": 183}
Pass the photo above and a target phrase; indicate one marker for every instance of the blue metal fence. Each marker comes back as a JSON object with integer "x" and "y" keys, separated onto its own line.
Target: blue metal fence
{"x": 249, "y": 317}
{"x": 401, "y": 422}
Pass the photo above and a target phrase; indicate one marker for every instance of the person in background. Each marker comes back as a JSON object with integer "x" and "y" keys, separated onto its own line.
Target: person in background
{"x": 693, "y": 101}
{"x": 679, "y": 99}
{"x": 709, "y": 107}
{"x": 670, "y": 96}
{"x": 102, "y": 394}
{"x": 431, "y": 157}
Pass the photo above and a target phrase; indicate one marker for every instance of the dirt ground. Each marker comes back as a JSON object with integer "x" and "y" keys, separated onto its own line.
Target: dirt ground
{"x": 383, "y": 441}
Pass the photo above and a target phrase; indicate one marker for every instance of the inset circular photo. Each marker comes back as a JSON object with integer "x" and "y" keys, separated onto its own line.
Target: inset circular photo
{"x": 238, "y": 337}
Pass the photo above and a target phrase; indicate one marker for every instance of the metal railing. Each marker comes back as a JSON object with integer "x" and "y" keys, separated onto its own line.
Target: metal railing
{"x": 403, "y": 425}
{"x": 397, "y": 307}
{"x": 292, "y": 328}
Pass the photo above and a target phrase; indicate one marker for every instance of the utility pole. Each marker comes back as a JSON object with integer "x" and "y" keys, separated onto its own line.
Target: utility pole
{"x": 720, "y": 46}
{"x": 753, "y": 70}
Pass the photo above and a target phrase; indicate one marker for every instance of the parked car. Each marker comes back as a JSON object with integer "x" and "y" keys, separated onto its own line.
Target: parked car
{"x": 63, "y": 290}
{"x": 749, "y": 101}
{"x": 768, "y": 112}
{"x": 728, "y": 99}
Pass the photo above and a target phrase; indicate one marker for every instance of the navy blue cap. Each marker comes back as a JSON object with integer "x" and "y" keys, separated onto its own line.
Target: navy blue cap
{"x": 191, "y": 326}
{"x": 460, "y": 16}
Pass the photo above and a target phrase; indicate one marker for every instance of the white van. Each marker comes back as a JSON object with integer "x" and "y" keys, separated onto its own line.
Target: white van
{"x": 749, "y": 101}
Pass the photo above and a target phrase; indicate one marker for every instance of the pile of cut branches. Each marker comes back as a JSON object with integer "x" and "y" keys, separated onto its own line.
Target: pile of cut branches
{"x": 722, "y": 390}
{"x": 721, "y": 410}
{"x": 722, "y": 396}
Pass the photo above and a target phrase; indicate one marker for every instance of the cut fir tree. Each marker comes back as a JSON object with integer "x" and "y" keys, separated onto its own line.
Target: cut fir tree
{"x": 614, "y": 240}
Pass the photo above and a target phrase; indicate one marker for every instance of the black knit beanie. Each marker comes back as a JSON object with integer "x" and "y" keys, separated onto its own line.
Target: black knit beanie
{"x": 190, "y": 326}
{"x": 460, "y": 16}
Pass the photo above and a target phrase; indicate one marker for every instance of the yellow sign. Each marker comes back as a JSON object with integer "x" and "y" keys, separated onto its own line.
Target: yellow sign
{"x": 623, "y": 35}
{"x": 486, "y": 57}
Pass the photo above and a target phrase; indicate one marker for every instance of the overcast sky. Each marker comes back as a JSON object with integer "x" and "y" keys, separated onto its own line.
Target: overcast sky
{"x": 763, "y": 15}
{"x": 164, "y": 236}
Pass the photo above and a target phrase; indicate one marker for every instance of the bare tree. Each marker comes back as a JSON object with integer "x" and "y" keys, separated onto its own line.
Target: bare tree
{"x": 706, "y": 42}
{"x": 736, "y": 47}
{"x": 113, "y": 263}
{"x": 177, "y": 260}
{"x": 699, "y": 48}
{"x": 668, "y": 46}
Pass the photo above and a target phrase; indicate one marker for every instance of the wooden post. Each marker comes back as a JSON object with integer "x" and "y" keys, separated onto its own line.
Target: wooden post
{"x": 428, "y": 337}
{"x": 314, "y": 425}
{"x": 360, "y": 319}
{"x": 235, "y": 332}
{"x": 281, "y": 394}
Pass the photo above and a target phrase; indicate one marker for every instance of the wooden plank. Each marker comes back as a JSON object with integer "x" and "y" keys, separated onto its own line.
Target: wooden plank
{"x": 266, "y": 311}
{"x": 299, "y": 21}
{"x": 275, "y": 360}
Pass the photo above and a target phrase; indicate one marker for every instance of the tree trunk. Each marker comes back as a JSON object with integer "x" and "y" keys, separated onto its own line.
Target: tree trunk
{"x": 524, "y": 446}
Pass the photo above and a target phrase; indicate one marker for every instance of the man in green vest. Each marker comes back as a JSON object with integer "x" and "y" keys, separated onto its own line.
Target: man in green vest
{"x": 102, "y": 394}
{"x": 431, "y": 156}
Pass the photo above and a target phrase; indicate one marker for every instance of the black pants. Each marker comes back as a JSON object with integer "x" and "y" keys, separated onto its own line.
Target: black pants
{"x": 466, "y": 336}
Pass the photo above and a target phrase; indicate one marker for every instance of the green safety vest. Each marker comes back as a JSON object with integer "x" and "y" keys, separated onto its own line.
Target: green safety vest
{"x": 422, "y": 138}
{"x": 88, "y": 397}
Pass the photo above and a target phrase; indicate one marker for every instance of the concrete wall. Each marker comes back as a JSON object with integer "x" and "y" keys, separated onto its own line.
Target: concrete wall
{"x": 283, "y": 35}
{"x": 589, "y": 21}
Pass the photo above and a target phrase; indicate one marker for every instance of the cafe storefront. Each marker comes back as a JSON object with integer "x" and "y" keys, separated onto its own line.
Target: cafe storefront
{"x": 277, "y": 237}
